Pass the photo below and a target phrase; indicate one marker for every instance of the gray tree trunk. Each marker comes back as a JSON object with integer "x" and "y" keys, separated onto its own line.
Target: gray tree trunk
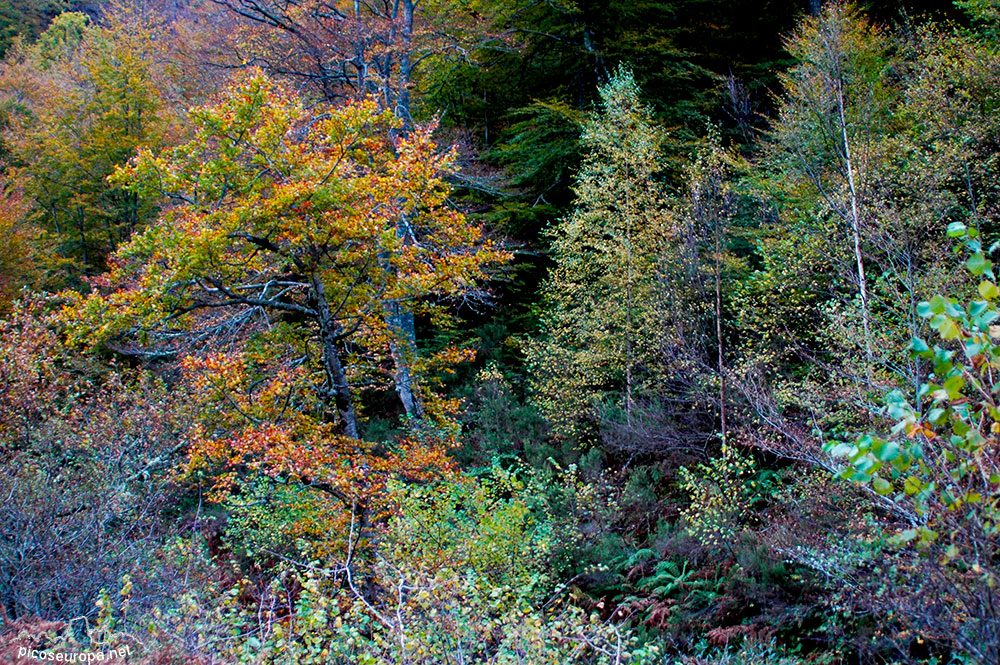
{"x": 336, "y": 377}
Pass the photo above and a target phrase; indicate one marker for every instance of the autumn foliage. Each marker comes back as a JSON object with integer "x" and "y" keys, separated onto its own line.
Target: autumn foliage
{"x": 457, "y": 332}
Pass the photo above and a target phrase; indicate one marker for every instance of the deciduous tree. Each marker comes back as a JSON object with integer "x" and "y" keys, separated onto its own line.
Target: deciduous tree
{"x": 269, "y": 275}
{"x": 599, "y": 331}
{"x": 80, "y": 101}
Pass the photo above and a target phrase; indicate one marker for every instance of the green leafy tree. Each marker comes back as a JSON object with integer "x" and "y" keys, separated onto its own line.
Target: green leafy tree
{"x": 26, "y": 19}
{"x": 599, "y": 332}
{"x": 81, "y": 100}
{"x": 836, "y": 103}
{"x": 872, "y": 148}
{"x": 839, "y": 242}
{"x": 938, "y": 465}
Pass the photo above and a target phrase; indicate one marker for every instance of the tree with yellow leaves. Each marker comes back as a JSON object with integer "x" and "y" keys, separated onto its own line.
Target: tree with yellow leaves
{"x": 284, "y": 219}
{"x": 600, "y": 332}
{"x": 78, "y": 103}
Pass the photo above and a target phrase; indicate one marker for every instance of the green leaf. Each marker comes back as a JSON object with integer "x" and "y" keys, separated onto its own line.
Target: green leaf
{"x": 948, "y": 329}
{"x": 842, "y": 450}
{"x": 919, "y": 346}
{"x": 942, "y": 357}
{"x": 953, "y": 386}
{"x": 956, "y": 229}
{"x": 953, "y": 310}
{"x": 973, "y": 348}
{"x": 976, "y": 263}
{"x": 888, "y": 452}
{"x": 941, "y": 368}
{"x": 881, "y": 486}
{"x": 988, "y": 290}
{"x": 864, "y": 464}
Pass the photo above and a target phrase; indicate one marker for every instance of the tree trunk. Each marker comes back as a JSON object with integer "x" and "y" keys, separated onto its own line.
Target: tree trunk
{"x": 718, "y": 328}
{"x": 403, "y": 341}
{"x": 337, "y": 378}
{"x": 628, "y": 323}
{"x": 855, "y": 224}
{"x": 83, "y": 239}
{"x": 404, "y": 350}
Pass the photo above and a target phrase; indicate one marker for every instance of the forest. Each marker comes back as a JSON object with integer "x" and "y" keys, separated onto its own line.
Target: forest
{"x": 500, "y": 332}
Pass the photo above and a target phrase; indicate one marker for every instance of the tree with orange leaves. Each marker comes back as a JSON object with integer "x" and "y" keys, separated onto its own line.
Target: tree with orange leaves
{"x": 269, "y": 276}
{"x": 285, "y": 221}
{"x": 378, "y": 50}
